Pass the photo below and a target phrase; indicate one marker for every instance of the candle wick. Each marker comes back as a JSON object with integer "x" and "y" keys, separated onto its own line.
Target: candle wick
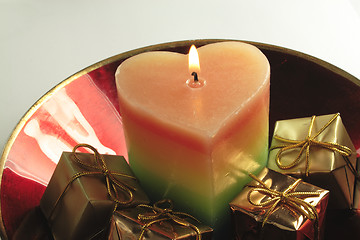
{"x": 195, "y": 76}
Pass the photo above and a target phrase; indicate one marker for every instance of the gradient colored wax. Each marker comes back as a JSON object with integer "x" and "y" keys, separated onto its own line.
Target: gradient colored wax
{"x": 196, "y": 145}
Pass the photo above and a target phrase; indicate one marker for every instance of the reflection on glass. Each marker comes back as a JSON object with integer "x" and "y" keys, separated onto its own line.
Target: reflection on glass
{"x": 50, "y": 145}
{"x": 65, "y": 112}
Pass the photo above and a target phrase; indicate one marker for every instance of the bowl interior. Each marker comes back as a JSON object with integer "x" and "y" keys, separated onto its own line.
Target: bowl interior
{"x": 301, "y": 86}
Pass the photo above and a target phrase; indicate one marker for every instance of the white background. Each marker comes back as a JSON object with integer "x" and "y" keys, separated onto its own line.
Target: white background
{"x": 44, "y": 42}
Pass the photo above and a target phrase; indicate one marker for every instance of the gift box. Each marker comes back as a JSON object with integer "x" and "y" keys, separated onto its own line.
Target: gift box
{"x": 357, "y": 186}
{"x": 277, "y": 206}
{"x": 318, "y": 150}
{"x": 85, "y": 190}
{"x": 156, "y": 222}
{"x": 33, "y": 227}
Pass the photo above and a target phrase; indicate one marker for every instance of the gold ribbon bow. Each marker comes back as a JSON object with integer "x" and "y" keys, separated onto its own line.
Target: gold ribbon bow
{"x": 159, "y": 214}
{"x": 305, "y": 145}
{"x": 288, "y": 198}
{"x": 100, "y": 168}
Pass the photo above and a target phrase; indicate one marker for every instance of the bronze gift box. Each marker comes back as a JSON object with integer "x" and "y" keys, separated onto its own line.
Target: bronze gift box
{"x": 156, "y": 222}
{"x": 84, "y": 191}
{"x": 277, "y": 206}
{"x": 318, "y": 150}
{"x": 33, "y": 227}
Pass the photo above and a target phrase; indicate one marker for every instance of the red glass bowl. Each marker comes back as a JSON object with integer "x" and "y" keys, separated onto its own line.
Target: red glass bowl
{"x": 84, "y": 108}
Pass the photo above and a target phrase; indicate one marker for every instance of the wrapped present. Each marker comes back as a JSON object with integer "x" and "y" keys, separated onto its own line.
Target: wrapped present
{"x": 85, "y": 190}
{"x": 357, "y": 186}
{"x": 318, "y": 150}
{"x": 33, "y": 227}
{"x": 156, "y": 222}
{"x": 277, "y": 206}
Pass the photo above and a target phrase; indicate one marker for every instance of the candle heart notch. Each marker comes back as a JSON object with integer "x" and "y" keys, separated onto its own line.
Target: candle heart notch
{"x": 196, "y": 145}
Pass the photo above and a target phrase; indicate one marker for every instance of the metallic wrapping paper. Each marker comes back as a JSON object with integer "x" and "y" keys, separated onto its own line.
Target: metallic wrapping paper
{"x": 283, "y": 223}
{"x": 85, "y": 209}
{"x": 327, "y": 169}
{"x": 33, "y": 226}
{"x": 357, "y": 186}
{"x": 126, "y": 225}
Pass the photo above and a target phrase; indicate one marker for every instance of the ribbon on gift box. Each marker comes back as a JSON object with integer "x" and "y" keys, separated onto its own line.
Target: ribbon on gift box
{"x": 307, "y": 143}
{"x": 287, "y": 198}
{"x": 159, "y": 214}
{"x": 99, "y": 168}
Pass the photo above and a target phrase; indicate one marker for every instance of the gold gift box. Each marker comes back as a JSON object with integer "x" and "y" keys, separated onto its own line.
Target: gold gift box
{"x": 325, "y": 164}
{"x": 166, "y": 224}
{"x": 82, "y": 208}
{"x": 283, "y": 221}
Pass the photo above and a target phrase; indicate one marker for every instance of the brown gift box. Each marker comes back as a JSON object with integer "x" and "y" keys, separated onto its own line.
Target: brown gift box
{"x": 357, "y": 186}
{"x": 126, "y": 224}
{"x": 33, "y": 227}
{"x": 84, "y": 209}
{"x": 282, "y": 223}
{"x": 328, "y": 168}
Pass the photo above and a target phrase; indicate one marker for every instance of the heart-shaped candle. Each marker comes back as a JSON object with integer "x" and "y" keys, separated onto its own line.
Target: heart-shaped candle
{"x": 195, "y": 142}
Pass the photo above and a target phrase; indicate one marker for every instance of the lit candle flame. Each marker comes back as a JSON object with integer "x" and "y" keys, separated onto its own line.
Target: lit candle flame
{"x": 194, "y": 63}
